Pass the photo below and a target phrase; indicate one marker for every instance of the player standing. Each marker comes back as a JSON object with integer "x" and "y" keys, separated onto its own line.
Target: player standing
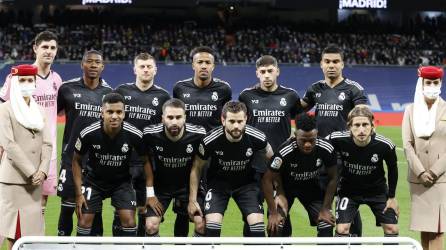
{"x": 204, "y": 97}
{"x": 80, "y": 99}
{"x": 333, "y": 98}
{"x": 271, "y": 107}
{"x": 143, "y": 102}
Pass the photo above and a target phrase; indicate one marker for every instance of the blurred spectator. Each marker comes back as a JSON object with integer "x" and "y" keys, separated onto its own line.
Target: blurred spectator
{"x": 373, "y": 42}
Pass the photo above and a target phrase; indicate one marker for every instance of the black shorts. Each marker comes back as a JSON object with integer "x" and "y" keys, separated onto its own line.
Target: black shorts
{"x": 246, "y": 197}
{"x": 139, "y": 184}
{"x": 311, "y": 200}
{"x": 122, "y": 196}
{"x": 180, "y": 197}
{"x": 347, "y": 208}
{"x": 65, "y": 183}
{"x": 180, "y": 205}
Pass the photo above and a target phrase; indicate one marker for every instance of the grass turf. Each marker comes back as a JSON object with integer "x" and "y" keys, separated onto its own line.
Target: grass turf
{"x": 232, "y": 223}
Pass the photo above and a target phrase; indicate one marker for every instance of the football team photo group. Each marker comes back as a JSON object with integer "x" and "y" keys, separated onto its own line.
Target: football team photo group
{"x": 195, "y": 147}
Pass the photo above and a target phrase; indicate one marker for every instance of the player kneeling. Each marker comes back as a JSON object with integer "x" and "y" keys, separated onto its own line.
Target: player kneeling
{"x": 294, "y": 172}
{"x": 172, "y": 145}
{"x": 362, "y": 177}
{"x": 109, "y": 144}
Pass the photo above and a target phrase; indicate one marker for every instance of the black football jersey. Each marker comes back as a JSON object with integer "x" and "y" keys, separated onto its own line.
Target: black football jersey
{"x": 230, "y": 163}
{"x": 172, "y": 160}
{"x": 82, "y": 106}
{"x": 333, "y": 104}
{"x": 363, "y": 171}
{"x": 299, "y": 170}
{"x": 203, "y": 105}
{"x": 143, "y": 108}
{"x": 109, "y": 158}
{"x": 271, "y": 112}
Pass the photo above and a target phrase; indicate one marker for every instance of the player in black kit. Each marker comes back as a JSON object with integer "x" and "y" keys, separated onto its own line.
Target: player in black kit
{"x": 204, "y": 97}
{"x": 295, "y": 166}
{"x": 270, "y": 109}
{"x": 80, "y": 99}
{"x": 203, "y": 94}
{"x": 172, "y": 145}
{"x": 143, "y": 102}
{"x": 231, "y": 148}
{"x": 363, "y": 177}
{"x": 333, "y": 98}
{"x": 109, "y": 144}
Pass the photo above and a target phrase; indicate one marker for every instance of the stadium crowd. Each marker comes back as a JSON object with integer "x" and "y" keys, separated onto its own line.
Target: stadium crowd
{"x": 364, "y": 41}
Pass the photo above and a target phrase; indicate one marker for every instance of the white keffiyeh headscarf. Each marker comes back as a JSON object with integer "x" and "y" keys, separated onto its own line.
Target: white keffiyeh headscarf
{"x": 424, "y": 118}
{"x": 28, "y": 116}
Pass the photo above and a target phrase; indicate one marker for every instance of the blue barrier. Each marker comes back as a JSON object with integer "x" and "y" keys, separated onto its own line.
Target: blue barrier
{"x": 389, "y": 89}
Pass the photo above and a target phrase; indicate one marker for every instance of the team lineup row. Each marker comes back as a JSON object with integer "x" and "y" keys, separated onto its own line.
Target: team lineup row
{"x": 247, "y": 147}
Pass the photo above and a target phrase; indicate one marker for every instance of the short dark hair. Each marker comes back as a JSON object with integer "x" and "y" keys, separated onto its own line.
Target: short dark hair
{"x": 112, "y": 97}
{"x": 45, "y": 36}
{"x": 333, "y": 49}
{"x": 174, "y": 103}
{"x": 266, "y": 60}
{"x": 360, "y": 110}
{"x": 92, "y": 51}
{"x": 305, "y": 122}
{"x": 233, "y": 107}
{"x": 202, "y": 49}
{"x": 143, "y": 56}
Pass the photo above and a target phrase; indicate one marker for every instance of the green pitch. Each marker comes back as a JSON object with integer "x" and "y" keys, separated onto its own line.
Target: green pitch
{"x": 232, "y": 223}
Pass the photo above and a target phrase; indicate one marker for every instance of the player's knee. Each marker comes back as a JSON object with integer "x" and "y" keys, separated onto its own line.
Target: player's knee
{"x": 128, "y": 221}
{"x": 390, "y": 229}
{"x": 142, "y": 210}
{"x": 343, "y": 229}
{"x": 85, "y": 222}
{"x": 200, "y": 226}
{"x": 152, "y": 225}
{"x": 254, "y": 218}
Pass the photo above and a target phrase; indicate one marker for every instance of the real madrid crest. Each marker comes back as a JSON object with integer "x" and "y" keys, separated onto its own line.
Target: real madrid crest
{"x": 189, "y": 148}
{"x": 375, "y": 158}
{"x": 341, "y": 96}
{"x": 214, "y": 96}
{"x": 318, "y": 162}
{"x": 282, "y": 102}
{"x": 248, "y": 152}
{"x": 155, "y": 101}
{"x": 125, "y": 148}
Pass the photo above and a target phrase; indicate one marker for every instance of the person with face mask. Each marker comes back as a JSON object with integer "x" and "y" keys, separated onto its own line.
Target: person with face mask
{"x": 424, "y": 137}
{"x": 26, "y": 139}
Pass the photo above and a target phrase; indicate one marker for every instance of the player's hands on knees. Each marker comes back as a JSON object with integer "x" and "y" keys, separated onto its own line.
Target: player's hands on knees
{"x": 80, "y": 202}
{"x": 281, "y": 202}
{"x": 156, "y": 206}
{"x": 426, "y": 179}
{"x": 326, "y": 215}
{"x": 393, "y": 204}
{"x": 274, "y": 220}
{"x": 193, "y": 208}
